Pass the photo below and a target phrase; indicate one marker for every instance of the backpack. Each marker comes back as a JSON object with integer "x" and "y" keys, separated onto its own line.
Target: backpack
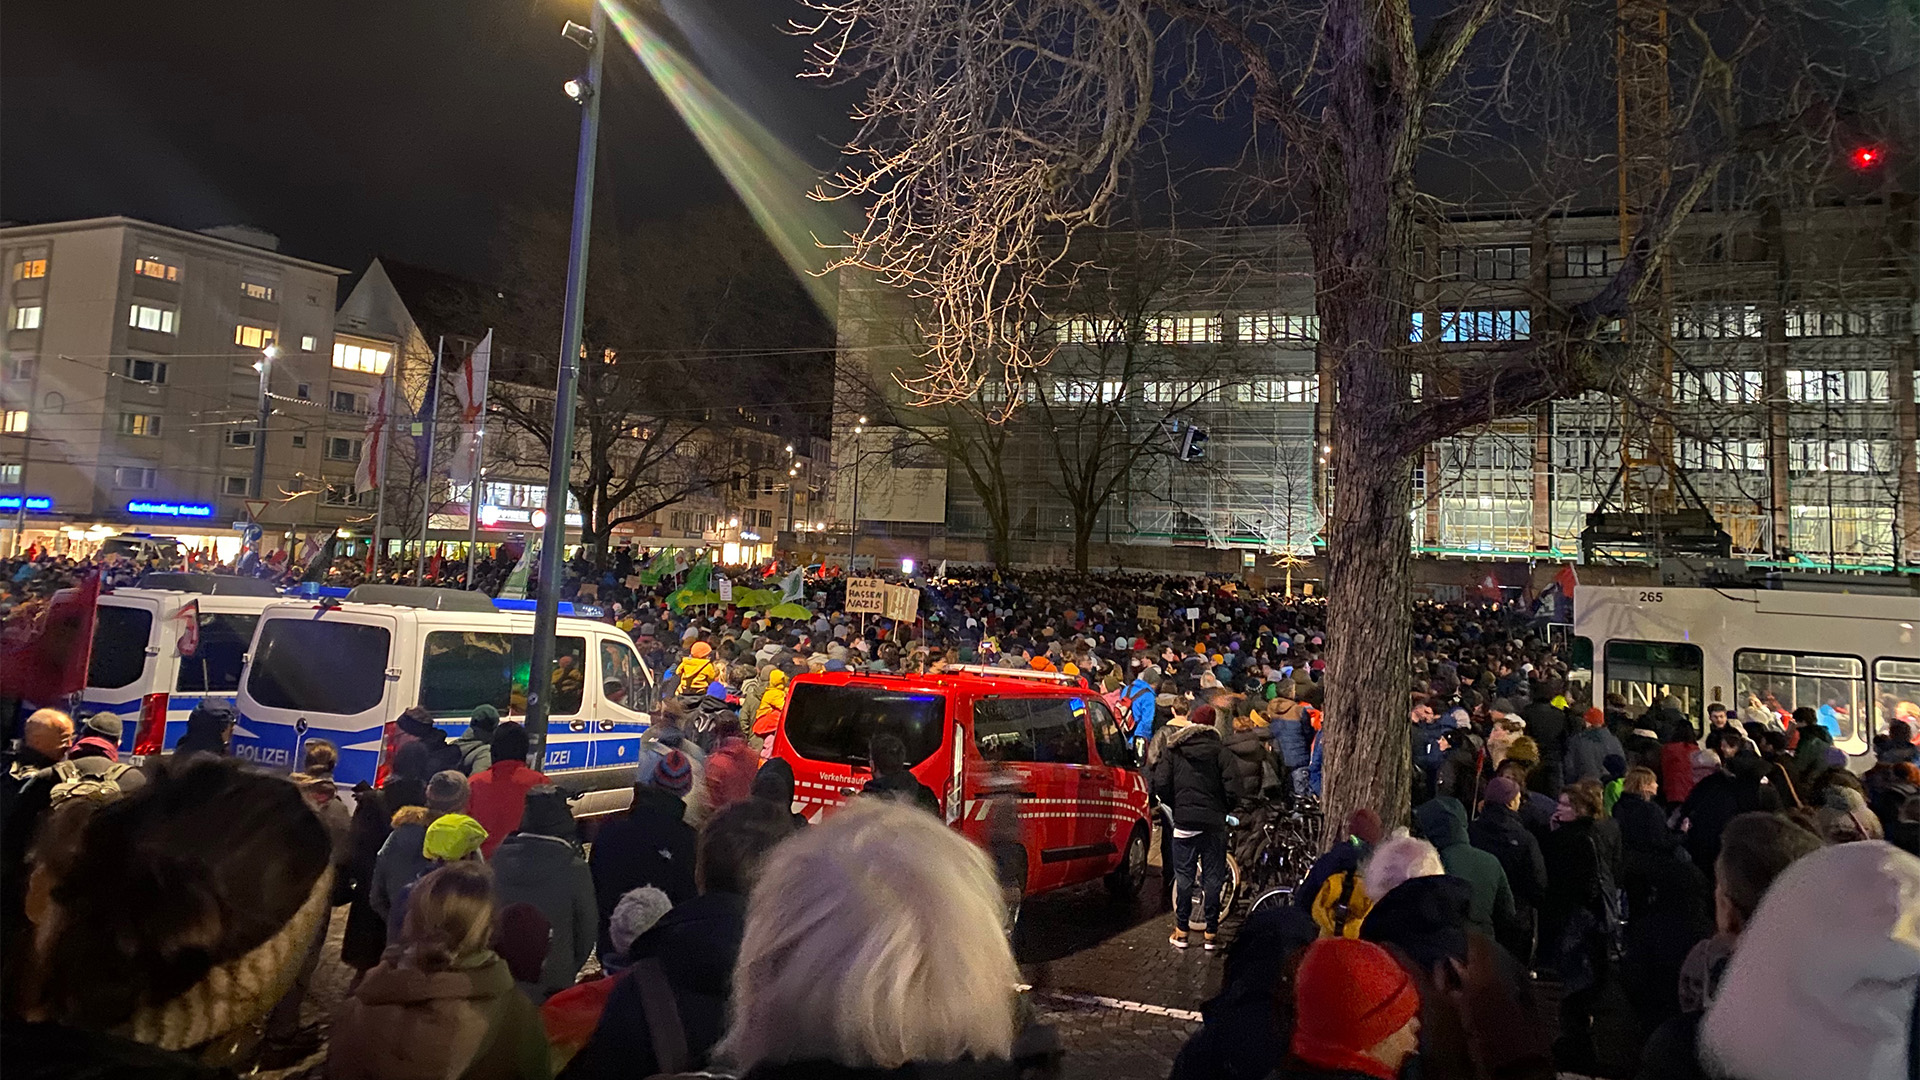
{"x": 70, "y": 783}
{"x": 1341, "y": 904}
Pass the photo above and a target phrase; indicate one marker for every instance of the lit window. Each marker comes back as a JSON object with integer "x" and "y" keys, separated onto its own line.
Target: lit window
{"x": 142, "y": 317}
{"x": 1269, "y": 326}
{"x": 1085, "y": 330}
{"x": 10, "y": 474}
{"x": 144, "y": 371}
{"x": 133, "y": 476}
{"x": 1183, "y": 329}
{"x": 236, "y": 485}
{"x": 1292, "y": 391}
{"x": 32, "y": 267}
{"x": 13, "y": 421}
{"x": 1716, "y": 321}
{"x": 240, "y": 437}
{"x": 1858, "y": 320}
{"x": 339, "y": 449}
{"x": 26, "y": 318}
{"x": 154, "y": 268}
{"x": 345, "y": 402}
{"x": 146, "y": 425}
{"x": 253, "y": 290}
{"x": 1856, "y": 385}
{"x": 365, "y": 358}
{"x": 308, "y": 343}
{"x": 252, "y": 337}
{"x": 1744, "y": 387}
{"x": 1591, "y": 260}
{"x": 1747, "y": 455}
{"x": 1478, "y": 324}
{"x": 344, "y": 495}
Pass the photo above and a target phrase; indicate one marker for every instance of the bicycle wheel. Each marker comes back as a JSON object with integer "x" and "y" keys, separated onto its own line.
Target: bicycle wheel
{"x": 1231, "y": 889}
{"x": 1269, "y": 899}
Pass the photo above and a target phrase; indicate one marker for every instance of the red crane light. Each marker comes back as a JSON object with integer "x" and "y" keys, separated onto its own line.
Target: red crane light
{"x": 1865, "y": 157}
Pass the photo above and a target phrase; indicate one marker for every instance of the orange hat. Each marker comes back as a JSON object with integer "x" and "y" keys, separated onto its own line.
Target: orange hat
{"x": 701, "y": 650}
{"x": 1350, "y": 995}
{"x": 1040, "y": 663}
{"x": 1595, "y": 717}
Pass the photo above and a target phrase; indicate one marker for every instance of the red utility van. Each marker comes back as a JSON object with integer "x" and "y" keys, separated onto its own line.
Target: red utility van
{"x": 969, "y": 732}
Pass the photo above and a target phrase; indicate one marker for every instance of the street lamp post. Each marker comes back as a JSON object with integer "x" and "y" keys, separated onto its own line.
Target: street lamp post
{"x": 265, "y": 367}
{"x": 853, "y": 522}
{"x": 546, "y": 614}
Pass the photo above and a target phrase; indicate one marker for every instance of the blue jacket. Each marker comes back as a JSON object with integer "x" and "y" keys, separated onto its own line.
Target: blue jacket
{"x": 1141, "y": 701}
{"x": 1313, "y": 767}
{"x": 1291, "y": 737}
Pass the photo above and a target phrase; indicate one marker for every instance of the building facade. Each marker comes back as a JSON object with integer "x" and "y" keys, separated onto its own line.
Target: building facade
{"x": 1783, "y": 400}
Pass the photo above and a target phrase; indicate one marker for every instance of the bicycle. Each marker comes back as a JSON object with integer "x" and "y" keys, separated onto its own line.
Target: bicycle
{"x": 1280, "y": 855}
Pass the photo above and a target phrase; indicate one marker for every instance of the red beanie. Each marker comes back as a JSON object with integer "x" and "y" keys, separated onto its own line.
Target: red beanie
{"x": 1349, "y": 996}
{"x": 1365, "y": 824}
{"x": 1595, "y": 718}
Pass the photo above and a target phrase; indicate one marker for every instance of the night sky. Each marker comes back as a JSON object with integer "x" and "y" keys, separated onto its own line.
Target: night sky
{"x": 355, "y": 128}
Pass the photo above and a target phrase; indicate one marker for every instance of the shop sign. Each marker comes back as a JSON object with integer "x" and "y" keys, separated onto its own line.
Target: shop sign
{"x": 201, "y": 511}
{"x": 38, "y": 504}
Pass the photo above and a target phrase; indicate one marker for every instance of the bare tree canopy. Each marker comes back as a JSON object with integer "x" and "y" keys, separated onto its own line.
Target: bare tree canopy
{"x": 994, "y": 131}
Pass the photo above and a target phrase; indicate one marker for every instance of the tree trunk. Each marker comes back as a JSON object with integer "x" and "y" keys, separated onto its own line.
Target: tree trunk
{"x": 1082, "y": 541}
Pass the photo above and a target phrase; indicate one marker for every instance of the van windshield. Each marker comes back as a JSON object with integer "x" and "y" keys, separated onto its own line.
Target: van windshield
{"x": 322, "y": 667}
{"x": 119, "y": 646}
{"x": 215, "y": 665}
{"x": 835, "y": 723}
{"x": 461, "y": 670}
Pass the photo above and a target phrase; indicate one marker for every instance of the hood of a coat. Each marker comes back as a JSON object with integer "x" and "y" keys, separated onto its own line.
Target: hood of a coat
{"x": 532, "y": 859}
{"x": 1442, "y": 821}
{"x": 1191, "y": 733}
{"x": 1425, "y": 916}
{"x": 648, "y": 799}
{"x": 395, "y": 984}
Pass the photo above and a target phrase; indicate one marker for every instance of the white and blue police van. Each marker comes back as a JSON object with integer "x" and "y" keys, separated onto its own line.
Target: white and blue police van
{"x": 162, "y": 648}
{"x": 344, "y": 671}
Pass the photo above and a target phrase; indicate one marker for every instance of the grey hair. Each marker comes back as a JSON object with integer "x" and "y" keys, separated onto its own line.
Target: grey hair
{"x": 873, "y": 939}
{"x": 1397, "y": 861}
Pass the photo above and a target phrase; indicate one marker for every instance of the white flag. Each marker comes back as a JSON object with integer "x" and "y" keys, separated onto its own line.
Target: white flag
{"x": 793, "y": 588}
{"x": 470, "y": 392}
{"x": 367, "y": 475}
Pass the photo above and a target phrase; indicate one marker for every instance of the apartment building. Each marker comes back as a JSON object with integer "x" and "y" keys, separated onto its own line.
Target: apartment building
{"x": 132, "y": 382}
{"x": 1787, "y": 407}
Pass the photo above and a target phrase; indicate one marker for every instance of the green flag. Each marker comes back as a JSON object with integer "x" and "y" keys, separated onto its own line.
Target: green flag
{"x": 516, "y": 586}
{"x": 662, "y": 562}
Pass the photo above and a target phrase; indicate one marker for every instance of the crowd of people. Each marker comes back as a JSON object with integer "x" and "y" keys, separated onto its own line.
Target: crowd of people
{"x": 1726, "y": 875}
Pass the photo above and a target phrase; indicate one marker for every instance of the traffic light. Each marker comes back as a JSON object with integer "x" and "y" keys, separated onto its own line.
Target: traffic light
{"x": 1194, "y": 446}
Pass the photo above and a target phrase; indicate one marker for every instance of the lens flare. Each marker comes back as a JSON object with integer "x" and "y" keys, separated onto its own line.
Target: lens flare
{"x": 770, "y": 179}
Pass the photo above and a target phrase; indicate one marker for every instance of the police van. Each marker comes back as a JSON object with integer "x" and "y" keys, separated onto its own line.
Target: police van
{"x": 161, "y": 649}
{"x": 345, "y": 671}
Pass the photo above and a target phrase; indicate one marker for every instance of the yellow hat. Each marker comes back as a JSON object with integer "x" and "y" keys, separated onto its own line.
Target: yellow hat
{"x": 452, "y": 837}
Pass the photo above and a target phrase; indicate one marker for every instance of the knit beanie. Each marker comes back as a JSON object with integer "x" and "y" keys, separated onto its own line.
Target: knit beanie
{"x": 452, "y": 837}
{"x": 1349, "y": 996}
{"x": 1364, "y": 823}
{"x": 448, "y": 791}
{"x": 1501, "y": 790}
{"x": 1595, "y": 718}
{"x": 635, "y": 914}
{"x": 485, "y": 718}
{"x": 674, "y": 773}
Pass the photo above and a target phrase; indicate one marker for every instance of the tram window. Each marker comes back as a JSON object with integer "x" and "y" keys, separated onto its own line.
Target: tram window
{"x": 1643, "y": 672}
{"x": 1896, "y": 688}
{"x": 1835, "y": 687}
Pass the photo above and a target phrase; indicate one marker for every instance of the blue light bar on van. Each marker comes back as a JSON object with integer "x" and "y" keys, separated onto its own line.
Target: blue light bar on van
{"x": 170, "y": 509}
{"x": 313, "y": 590}
{"x": 38, "y": 504}
{"x": 528, "y": 605}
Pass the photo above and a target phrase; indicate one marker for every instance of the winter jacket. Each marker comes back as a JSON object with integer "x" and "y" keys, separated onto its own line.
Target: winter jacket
{"x": 1424, "y": 744}
{"x": 500, "y": 798}
{"x": 695, "y": 945}
{"x": 1140, "y": 699}
{"x": 48, "y": 1051}
{"x": 1810, "y": 756}
{"x": 1243, "y": 1036}
{"x": 1198, "y": 777}
{"x": 1713, "y": 802}
{"x": 651, "y": 845}
{"x": 365, "y": 937}
{"x": 1342, "y": 858}
{"x": 1594, "y": 754}
{"x": 1499, "y": 832}
{"x": 468, "y": 1022}
{"x": 1443, "y": 822}
{"x": 476, "y": 751}
{"x": 769, "y": 706}
{"x": 1292, "y": 739}
{"x": 654, "y": 744}
{"x": 1547, "y": 725}
{"x": 1255, "y": 756}
{"x": 401, "y": 861}
{"x": 906, "y": 787}
{"x": 548, "y": 872}
{"x": 1426, "y": 917}
{"x": 730, "y": 769}
{"x": 1581, "y": 854}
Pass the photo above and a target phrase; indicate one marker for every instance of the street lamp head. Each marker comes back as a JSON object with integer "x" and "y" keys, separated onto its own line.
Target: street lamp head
{"x": 789, "y": 448}
{"x": 580, "y": 90}
{"x": 863, "y": 419}
{"x": 270, "y": 351}
{"x": 579, "y": 35}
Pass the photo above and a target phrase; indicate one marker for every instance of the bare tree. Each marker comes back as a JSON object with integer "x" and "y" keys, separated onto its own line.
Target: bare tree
{"x": 994, "y": 130}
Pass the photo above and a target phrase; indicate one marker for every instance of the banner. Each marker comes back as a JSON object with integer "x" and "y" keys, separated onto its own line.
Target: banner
{"x": 724, "y": 586}
{"x": 1148, "y": 614}
{"x": 45, "y": 645}
{"x": 701, "y": 573}
{"x": 423, "y": 422}
{"x": 470, "y": 391}
{"x": 901, "y": 603}
{"x": 369, "y": 473}
{"x": 866, "y": 596}
{"x": 189, "y": 640}
{"x": 516, "y": 586}
{"x": 322, "y": 561}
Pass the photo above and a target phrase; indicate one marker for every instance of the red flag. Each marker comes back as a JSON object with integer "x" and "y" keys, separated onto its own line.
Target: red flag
{"x": 44, "y": 648}
{"x": 189, "y": 616}
{"x": 1566, "y": 579}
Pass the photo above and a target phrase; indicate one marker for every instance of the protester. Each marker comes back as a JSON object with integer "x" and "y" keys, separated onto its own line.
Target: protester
{"x": 540, "y": 864}
{"x": 571, "y": 1015}
{"x": 730, "y": 765}
{"x": 441, "y": 1004}
{"x": 1580, "y": 915}
{"x": 500, "y": 791}
{"x": 402, "y": 858}
{"x": 1196, "y": 778}
{"x": 893, "y": 778}
{"x": 689, "y": 956}
{"x": 837, "y": 978}
{"x": 229, "y": 871}
{"x": 1332, "y": 892}
{"x": 1443, "y": 823}
{"x": 374, "y": 815}
{"x": 1249, "y": 1023}
{"x": 1499, "y": 832}
{"x": 774, "y": 784}
{"x": 476, "y": 744}
{"x": 209, "y": 731}
{"x": 651, "y": 844}
{"x": 1357, "y": 1013}
{"x": 1594, "y": 753}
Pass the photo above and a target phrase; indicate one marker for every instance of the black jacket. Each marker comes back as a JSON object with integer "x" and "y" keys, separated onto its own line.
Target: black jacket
{"x": 46, "y": 1051}
{"x": 1499, "y": 832}
{"x": 906, "y": 787}
{"x": 651, "y": 845}
{"x": 1198, "y": 777}
{"x": 1549, "y": 728}
{"x": 1426, "y": 917}
{"x": 1244, "y": 1036}
{"x": 1580, "y": 854}
{"x": 696, "y": 944}
{"x": 1713, "y": 802}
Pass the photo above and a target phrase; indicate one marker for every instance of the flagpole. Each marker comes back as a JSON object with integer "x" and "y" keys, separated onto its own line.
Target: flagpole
{"x": 473, "y": 488}
{"x": 386, "y": 459}
{"x": 426, "y": 494}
